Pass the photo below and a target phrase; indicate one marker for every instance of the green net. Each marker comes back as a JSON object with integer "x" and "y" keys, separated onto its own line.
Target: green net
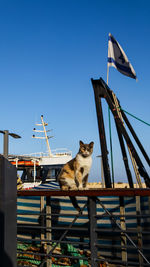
{"x": 25, "y": 256}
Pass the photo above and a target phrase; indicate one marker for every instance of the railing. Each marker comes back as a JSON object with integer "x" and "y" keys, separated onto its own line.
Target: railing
{"x": 55, "y": 152}
{"x": 113, "y": 227}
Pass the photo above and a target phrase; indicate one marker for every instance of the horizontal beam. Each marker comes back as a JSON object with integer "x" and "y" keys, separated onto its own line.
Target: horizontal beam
{"x": 92, "y": 192}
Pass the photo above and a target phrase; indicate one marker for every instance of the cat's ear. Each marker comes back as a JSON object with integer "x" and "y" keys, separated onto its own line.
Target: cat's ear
{"x": 81, "y": 143}
{"x": 91, "y": 144}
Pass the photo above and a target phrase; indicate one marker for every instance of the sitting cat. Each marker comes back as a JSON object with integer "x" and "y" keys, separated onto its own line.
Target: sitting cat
{"x": 74, "y": 174}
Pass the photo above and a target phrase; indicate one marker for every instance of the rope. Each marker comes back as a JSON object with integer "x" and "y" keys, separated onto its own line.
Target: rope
{"x": 111, "y": 153}
{"x": 134, "y": 116}
{"x": 137, "y": 174}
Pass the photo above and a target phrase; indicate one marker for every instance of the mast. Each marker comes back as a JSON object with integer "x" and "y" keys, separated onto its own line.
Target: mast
{"x": 45, "y": 132}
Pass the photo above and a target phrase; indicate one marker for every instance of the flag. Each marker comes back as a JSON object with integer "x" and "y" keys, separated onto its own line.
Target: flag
{"x": 118, "y": 59}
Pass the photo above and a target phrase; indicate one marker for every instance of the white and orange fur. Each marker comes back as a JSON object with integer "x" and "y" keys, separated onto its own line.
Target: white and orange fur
{"x": 74, "y": 174}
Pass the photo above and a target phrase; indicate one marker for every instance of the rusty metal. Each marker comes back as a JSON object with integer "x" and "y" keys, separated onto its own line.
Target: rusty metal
{"x": 89, "y": 193}
{"x": 94, "y": 230}
{"x": 101, "y": 90}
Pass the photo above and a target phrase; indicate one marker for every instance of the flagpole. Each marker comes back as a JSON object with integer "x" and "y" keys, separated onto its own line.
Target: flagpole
{"x": 112, "y": 167}
{"x": 107, "y": 73}
{"x": 117, "y": 59}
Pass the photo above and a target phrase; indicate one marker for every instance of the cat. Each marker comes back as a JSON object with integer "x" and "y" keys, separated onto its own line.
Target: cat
{"x": 74, "y": 174}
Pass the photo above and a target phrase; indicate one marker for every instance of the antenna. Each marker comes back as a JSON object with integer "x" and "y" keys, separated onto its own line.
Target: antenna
{"x": 45, "y": 132}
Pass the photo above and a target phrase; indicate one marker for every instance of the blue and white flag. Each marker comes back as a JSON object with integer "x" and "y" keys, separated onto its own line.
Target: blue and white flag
{"x": 118, "y": 59}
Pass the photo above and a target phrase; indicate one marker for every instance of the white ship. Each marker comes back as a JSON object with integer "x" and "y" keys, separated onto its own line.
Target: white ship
{"x": 40, "y": 168}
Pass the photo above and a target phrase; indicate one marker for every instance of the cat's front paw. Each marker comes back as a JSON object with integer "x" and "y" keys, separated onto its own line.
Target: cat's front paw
{"x": 64, "y": 187}
{"x": 73, "y": 187}
{"x": 86, "y": 187}
{"x": 80, "y": 187}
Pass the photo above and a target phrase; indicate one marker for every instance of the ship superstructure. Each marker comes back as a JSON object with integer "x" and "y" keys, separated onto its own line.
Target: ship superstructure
{"x": 39, "y": 167}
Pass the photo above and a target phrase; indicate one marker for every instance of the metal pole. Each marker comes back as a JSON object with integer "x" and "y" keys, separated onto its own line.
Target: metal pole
{"x": 127, "y": 236}
{"x": 111, "y": 149}
{"x": 50, "y": 153}
{"x": 5, "y": 150}
{"x": 34, "y": 170}
{"x": 93, "y": 233}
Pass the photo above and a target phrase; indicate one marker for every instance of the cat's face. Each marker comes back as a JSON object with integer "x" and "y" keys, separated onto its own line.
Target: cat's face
{"x": 86, "y": 149}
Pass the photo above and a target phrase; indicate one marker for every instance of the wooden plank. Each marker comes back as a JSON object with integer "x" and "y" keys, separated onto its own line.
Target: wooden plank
{"x": 48, "y": 230}
{"x": 139, "y": 229}
{"x": 42, "y": 217}
{"x": 98, "y": 93}
{"x": 123, "y": 226}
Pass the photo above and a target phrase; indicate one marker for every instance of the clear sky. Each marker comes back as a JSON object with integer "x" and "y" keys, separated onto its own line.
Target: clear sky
{"x": 50, "y": 50}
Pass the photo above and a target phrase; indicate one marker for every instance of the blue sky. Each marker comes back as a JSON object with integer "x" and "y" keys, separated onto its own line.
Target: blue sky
{"x": 50, "y": 50}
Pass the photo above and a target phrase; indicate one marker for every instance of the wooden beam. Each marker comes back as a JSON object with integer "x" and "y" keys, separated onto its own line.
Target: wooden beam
{"x": 94, "y": 192}
{"x": 98, "y": 94}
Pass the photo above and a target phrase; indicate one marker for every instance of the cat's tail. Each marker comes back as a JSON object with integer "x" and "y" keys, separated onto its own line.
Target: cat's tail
{"x": 75, "y": 204}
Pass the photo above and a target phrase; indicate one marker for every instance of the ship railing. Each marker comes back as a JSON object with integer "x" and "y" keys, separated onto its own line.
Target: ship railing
{"x": 111, "y": 229}
{"x": 62, "y": 151}
{"x": 55, "y": 152}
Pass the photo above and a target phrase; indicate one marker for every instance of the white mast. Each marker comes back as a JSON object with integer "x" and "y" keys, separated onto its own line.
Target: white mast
{"x": 45, "y": 132}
